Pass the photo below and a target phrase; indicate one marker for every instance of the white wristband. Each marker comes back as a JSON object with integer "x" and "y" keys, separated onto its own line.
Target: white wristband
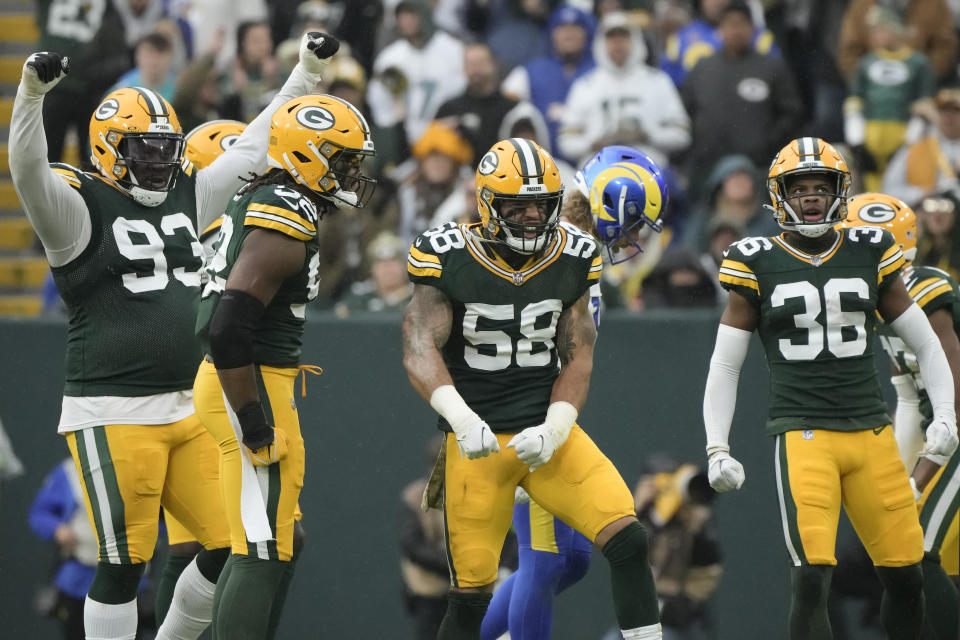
{"x": 560, "y": 418}
{"x": 448, "y": 402}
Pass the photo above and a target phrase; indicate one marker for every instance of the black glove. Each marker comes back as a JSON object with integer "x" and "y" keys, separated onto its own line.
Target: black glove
{"x": 253, "y": 424}
{"x": 49, "y": 65}
{"x": 323, "y": 45}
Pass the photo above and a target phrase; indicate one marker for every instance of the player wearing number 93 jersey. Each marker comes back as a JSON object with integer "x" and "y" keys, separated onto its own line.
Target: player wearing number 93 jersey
{"x": 122, "y": 244}
{"x": 497, "y": 307}
{"x": 813, "y": 294}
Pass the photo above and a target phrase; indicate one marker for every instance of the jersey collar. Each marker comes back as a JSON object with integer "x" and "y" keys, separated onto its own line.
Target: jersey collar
{"x": 814, "y": 259}
{"x": 492, "y": 261}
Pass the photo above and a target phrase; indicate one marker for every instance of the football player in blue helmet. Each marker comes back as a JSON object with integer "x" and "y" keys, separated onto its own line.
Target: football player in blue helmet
{"x": 620, "y": 193}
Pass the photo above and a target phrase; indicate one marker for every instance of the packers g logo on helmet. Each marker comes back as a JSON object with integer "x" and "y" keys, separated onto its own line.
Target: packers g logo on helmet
{"x": 206, "y": 142}
{"x": 808, "y": 156}
{"x": 321, "y": 141}
{"x": 886, "y": 212}
{"x": 519, "y": 170}
{"x": 136, "y": 142}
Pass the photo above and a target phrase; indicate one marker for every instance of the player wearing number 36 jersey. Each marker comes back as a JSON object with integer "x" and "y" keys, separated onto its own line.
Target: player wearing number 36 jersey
{"x": 498, "y": 338}
{"x": 813, "y": 294}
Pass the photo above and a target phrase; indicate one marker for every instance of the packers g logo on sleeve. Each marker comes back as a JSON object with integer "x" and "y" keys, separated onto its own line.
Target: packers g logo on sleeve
{"x": 107, "y": 109}
{"x": 488, "y": 163}
{"x": 316, "y": 118}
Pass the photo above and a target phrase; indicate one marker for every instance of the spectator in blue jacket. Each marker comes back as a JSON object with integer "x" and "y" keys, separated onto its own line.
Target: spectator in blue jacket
{"x": 58, "y": 514}
{"x": 546, "y": 81}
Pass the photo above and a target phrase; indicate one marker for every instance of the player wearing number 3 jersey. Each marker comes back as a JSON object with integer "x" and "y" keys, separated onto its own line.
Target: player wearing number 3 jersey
{"x": 813, "y": 294}
{"x": 123, "y": 246}
{"x": 497, "y": 307}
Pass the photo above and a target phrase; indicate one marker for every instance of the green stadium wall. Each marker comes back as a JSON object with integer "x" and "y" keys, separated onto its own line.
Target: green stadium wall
{"x": 365, "y": 431}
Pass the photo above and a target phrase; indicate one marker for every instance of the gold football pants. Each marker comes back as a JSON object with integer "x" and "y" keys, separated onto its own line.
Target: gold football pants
{"x": 818, "y": 470}
{"x": 260, "y": 501}
{"x": 129, "y": 471}
{"x": 579, "y": 485}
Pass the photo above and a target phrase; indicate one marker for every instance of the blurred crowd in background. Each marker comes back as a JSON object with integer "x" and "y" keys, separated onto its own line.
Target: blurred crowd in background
{"x": 710, "y": 89}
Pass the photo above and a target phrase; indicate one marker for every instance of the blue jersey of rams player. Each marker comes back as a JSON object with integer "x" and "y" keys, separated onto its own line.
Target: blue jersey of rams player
{"x": 936, "y": 479}
{"x": 498, "y": 338}
{"x": 620, "y": 194}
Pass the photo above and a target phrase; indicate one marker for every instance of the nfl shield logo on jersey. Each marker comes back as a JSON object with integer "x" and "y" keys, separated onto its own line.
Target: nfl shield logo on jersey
{"x": 808, "y": 434}
{"x": 518, "y": 279}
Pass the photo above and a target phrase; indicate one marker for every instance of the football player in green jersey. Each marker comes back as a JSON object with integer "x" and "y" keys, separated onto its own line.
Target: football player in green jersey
{"x": 122, "y": 244}
{"x": 498, "y": 338}
{"x": 252, "y": 313}
{"x": 935, "y": 478}
{"x": 813, "y": 294}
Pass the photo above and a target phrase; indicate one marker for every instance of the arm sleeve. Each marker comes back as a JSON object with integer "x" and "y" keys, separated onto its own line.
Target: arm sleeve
{"x": 907, "y": 421}
{"x": 720, "y": 395}
{"x": 912, "y": 325}
{"x": 217, "y": 183}
{"x": 52, "y": 506}
{"x": 55, "y": 209}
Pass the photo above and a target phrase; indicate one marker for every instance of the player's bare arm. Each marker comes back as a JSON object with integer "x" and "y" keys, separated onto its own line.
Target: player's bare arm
{"x": 576, "y": 335}
{"x": 426, "y": 328}
{"x": 265, "y": 261}
{"x": 739, "y": 313}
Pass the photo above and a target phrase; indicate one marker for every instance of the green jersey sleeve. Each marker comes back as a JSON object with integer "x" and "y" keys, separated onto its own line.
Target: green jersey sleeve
{"x": 890, "y": 263}
{"x": 425, "y": 258}
{"x": 932, "y": 289}
{"x": 283, "y": 210}
{"x": 737, "y": 272}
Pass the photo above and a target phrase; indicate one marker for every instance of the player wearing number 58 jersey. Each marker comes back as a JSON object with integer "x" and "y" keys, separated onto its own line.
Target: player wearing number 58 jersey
{"x": 498, "y": 338}
{"x": 122, "y": 242}
{"x": 936, "y": 478}
{"x": 813, "y": 294}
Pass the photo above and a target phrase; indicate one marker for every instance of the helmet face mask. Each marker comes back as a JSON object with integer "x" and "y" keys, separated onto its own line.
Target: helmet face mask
{"x": 136, "y": 142}
{"x": 321, "y": 141}
{"x": 806, "y": 161}
{"x": 512, "y": 175}
{"x": 152, "y": 159}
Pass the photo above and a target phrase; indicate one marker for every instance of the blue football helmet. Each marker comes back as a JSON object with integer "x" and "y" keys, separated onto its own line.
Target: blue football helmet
{"x": 625, "y": 198}
{"x": 609, "y": 156}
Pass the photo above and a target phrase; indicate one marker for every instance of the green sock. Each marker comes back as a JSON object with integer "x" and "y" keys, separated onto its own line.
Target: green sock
{"x": 941, "y": 594}
{"x": 634, "y": 593}
{"x": 901, "y": 609}
{"x": 280, "y": 598}
{"x": 218, "y": 594}
{"x": 809, "y": 588}
{"x": 172, "y": 568}
{"x": 465, "y": 611}
{"x": 245, "y": 603}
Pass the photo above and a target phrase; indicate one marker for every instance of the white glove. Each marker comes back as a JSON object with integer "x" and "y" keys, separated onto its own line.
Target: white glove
{"x": 941, "y": 438}
{"x": 520, "y": 496}
{"x": 42, "y": 71}
{"x": 474, "y": 436}
{"x": 536, "y": 445}
{"x": 316, "y": 50}
{"x": 724, "y": 472}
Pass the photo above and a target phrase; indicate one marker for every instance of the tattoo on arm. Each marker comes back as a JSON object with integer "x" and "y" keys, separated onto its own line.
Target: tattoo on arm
{"x": 575, "y": 329}
{"x": 427, "y": 321}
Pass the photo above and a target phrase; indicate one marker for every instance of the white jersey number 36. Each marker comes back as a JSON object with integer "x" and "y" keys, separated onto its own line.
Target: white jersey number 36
{"x": 830, "y": 335}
